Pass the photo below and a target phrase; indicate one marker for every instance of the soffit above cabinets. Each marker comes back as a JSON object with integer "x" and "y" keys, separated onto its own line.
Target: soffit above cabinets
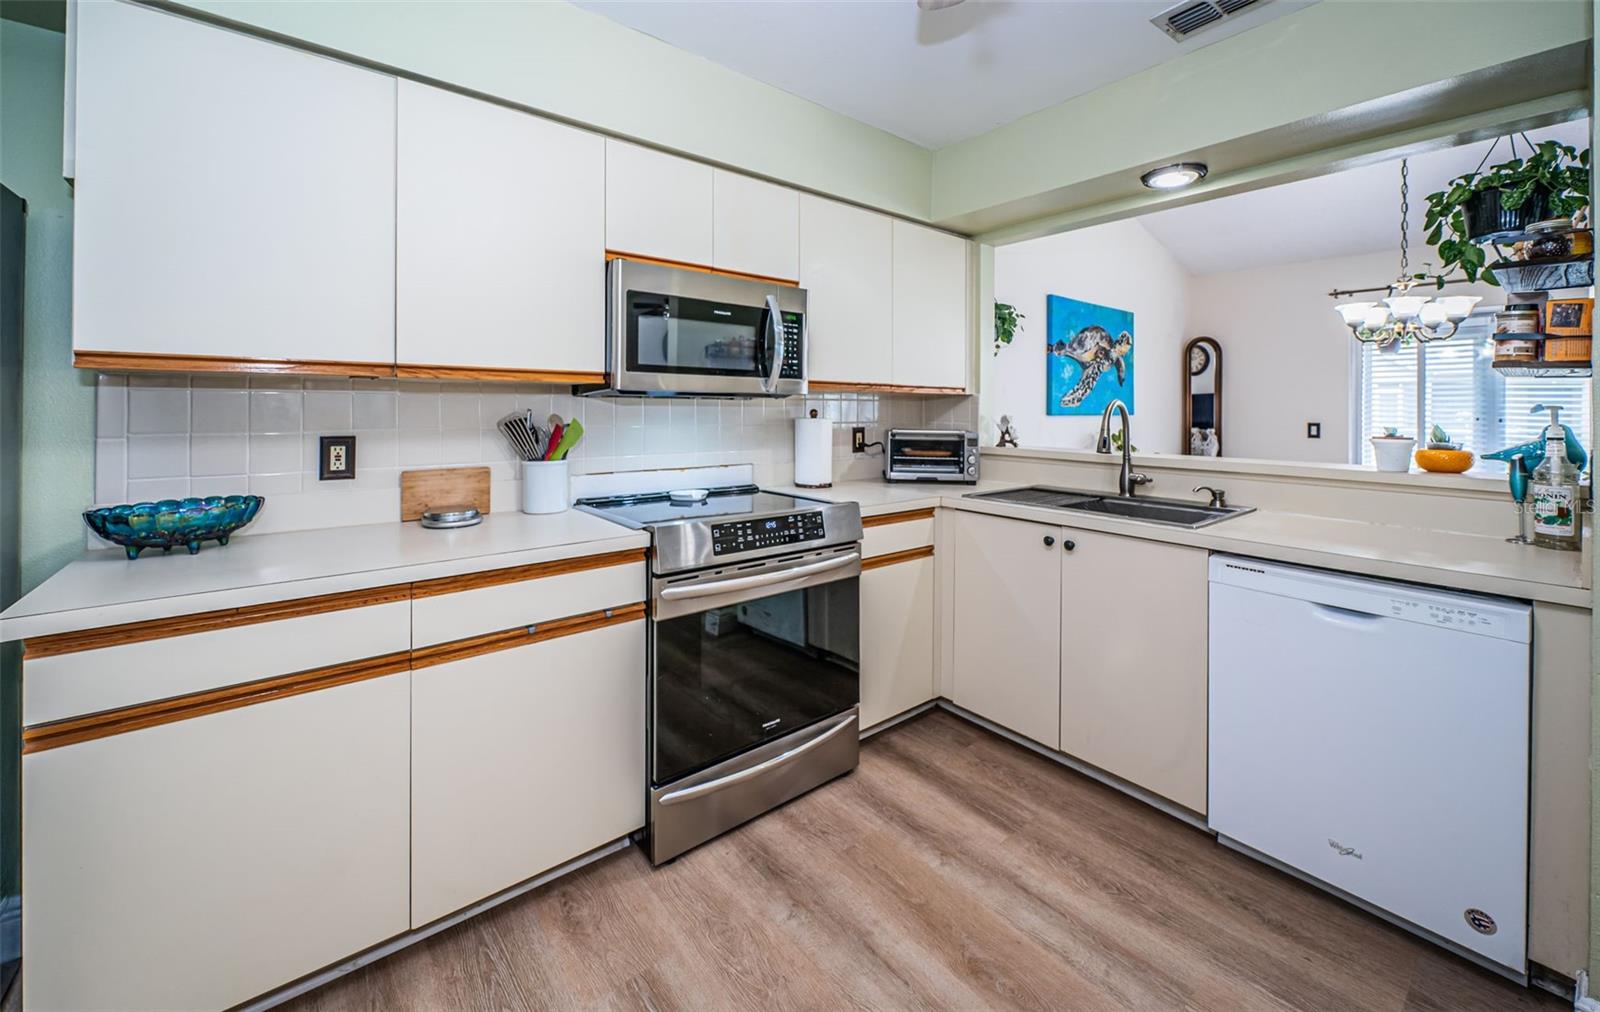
{"x": 931, "y": 77}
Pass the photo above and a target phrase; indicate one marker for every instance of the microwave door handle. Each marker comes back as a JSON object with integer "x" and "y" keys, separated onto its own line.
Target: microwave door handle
{"x": 775, "y": 326}
{"x": 714, "y": 587}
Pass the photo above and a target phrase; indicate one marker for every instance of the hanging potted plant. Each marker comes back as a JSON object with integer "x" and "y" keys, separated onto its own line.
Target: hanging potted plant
{"x": 1499, "y": 204}
{"x": 1007, "y": 321}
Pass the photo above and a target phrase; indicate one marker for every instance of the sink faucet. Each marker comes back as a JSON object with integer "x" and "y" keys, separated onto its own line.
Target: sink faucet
{"x": 1127, "y": 478}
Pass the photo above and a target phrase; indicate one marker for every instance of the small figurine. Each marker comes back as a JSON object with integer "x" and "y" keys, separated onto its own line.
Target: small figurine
{"x": 1008, "y": 434}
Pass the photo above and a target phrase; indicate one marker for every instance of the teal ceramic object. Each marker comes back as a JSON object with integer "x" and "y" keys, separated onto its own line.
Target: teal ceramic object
{"x": 1533, "y": 452}
{"x": 172, "y": 522}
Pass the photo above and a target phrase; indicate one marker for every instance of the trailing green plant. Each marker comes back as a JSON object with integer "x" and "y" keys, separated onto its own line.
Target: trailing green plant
{"x": 1559, "y": 170}
{"x": 1007, "y": 321}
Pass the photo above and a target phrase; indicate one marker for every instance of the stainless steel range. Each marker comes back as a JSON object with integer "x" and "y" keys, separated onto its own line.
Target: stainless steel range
{"x": 753, "y": 657}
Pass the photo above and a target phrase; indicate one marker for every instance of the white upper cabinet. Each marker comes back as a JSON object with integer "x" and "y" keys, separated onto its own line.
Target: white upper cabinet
{"x": 500, "y": 260}
{"x": 657, "y": 205}
{"x": 931, "y": 328}
{"x": 234, "y": 197}
{"x": 756, "y": 226}
{"x": 845, "y": 266}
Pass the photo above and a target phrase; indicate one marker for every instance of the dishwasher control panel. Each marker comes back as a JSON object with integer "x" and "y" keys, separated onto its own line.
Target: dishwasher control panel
{"x": 1451, "y": 616}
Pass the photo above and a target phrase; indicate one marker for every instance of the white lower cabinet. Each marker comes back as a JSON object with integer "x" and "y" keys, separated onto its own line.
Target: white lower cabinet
{"x": 896, "y": 639}
{"x": 523, "y": 759}
{"x": 1007, "y": 604}
{"x": 1133, "y": 661}
{"x": 196, "y": 864}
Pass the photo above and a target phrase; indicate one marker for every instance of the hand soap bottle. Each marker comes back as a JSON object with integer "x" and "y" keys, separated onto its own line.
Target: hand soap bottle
{"x": 1555, "y": 495}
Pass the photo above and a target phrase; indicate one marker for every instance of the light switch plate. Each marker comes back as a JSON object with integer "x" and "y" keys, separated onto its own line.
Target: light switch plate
{"x": 1313, "y": 430}
{"x": 336, "y": 459}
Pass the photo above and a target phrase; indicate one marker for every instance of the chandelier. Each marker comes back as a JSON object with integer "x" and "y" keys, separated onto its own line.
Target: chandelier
{"x": 1403, "y": 317}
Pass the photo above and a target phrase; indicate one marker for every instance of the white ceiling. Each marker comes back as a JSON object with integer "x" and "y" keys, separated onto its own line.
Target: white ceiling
{"x": 1342, "y": 214}
{"x": 932, "y": 77}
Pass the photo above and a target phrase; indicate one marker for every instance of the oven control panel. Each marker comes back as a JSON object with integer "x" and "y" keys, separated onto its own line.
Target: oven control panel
{"x": 745, "y": 535}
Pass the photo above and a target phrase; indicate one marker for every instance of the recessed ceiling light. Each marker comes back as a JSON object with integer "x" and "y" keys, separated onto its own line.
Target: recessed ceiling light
{"x": 1174, "y": 177}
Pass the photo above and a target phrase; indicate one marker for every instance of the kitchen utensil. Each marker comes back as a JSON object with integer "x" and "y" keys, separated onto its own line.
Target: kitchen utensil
{"x": 524, "y": 442}
{"x": 173, "y": 522}
{"x": 556, "y": 433}
{"x": 451, "y": 517}
{"x": 569, "y": 438}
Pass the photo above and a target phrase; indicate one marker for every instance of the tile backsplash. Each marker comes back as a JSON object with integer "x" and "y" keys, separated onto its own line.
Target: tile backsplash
{"x": 161, "y": 437}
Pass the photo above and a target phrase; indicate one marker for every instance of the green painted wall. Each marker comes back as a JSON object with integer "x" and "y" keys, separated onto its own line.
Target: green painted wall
{"x": 580, "y": 66}
{"x": 57, "y": 401}
{"x": 1295, "y": 70}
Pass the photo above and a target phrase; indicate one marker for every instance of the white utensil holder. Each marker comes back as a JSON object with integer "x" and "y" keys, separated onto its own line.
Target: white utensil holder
{"x": 545, "y": 486}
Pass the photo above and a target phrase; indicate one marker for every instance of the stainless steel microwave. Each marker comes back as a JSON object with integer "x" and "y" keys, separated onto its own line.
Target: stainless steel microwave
{"x": 673, "y": 331}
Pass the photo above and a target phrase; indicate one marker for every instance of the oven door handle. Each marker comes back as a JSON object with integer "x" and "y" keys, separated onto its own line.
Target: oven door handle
{"x": 715, "y": 587}
{"x": 781, "y": 759}
{"x": 769, "y": 383}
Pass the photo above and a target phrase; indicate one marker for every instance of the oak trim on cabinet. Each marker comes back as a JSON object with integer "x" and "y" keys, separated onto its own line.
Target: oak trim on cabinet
{"x": 897, "y": 518}
{"x": 138, "y": 361}
{"x": 406, "y": 370}
{"x": 507, "y": 639}
{"x": 842, "y": 386}
{"x": 517, "y": 574}
{"x": 208, "y": 621}
{"x": 74, "y": 730}
{"x": 909, "y": 555}
{"x": 702, "y": 268}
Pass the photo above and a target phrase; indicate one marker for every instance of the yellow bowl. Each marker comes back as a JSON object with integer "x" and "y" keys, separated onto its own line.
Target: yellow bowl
{"x": 1444, "y": 461}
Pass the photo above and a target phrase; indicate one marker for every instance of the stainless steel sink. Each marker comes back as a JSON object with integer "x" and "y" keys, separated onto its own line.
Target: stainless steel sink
{"x": 1148, "y": 509}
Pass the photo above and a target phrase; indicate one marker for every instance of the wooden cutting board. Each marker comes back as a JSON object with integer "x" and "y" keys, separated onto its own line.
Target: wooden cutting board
{"x": 443, "y": 486}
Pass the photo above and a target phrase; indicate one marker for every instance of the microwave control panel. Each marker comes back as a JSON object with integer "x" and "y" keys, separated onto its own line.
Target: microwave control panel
{"x": 793, "y": 352}
{"x": 745, "y": 535}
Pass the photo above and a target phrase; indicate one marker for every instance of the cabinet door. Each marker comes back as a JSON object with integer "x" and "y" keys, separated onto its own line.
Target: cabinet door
{"x": 931, "y": 331}
{"x": 501, "y": 237}
{"x": 846, "y": 257}
{"x": 234, "y": 197}
{"x": 1133, "y": 662}
{"x": 657, "y": 205}
{"x": 756, "y": 226}
{"x": 1007, "y": 590}
{"x": 200, "y": 863}
{"x": 523, "y": 759}
{"x": 896, "y": 639}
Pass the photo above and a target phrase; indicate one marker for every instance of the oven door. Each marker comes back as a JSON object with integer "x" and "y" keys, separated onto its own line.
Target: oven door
{"x": 688, "y": 332}
{"x": 743, "y": 656}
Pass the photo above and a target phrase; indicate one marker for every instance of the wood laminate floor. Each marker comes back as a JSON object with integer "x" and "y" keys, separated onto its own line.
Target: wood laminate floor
{"x": 953, "y": 870}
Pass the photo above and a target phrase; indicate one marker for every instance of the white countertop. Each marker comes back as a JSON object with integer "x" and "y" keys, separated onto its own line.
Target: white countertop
{"x": 106, "y": 588}
{"x": 1487, "y": 565}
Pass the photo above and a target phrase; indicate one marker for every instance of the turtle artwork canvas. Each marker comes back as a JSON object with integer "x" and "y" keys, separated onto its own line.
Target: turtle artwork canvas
{"x": 1088, "y": 357}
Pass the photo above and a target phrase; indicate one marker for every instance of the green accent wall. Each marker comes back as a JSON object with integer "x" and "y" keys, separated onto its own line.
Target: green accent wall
{"x": 570, "y": 63}
{"x": 57, "y": 400}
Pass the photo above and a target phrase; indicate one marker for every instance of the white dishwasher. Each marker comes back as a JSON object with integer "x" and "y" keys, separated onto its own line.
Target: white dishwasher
{"x": 1374, "y": 737}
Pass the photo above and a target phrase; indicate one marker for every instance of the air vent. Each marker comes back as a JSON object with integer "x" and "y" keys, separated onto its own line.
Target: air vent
{"x": 1185, "y": 20}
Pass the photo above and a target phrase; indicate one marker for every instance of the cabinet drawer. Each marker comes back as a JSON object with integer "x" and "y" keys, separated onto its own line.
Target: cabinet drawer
{"x": 61, "y": 680}
{"x": 458, "y": 607}
{"x": 896, "y": 532}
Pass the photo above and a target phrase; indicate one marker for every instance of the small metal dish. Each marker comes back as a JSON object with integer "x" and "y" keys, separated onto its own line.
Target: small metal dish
{"x": 451, "y": 517}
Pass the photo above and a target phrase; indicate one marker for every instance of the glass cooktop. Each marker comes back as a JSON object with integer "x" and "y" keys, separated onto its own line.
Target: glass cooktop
{"x": 658, "y": 508}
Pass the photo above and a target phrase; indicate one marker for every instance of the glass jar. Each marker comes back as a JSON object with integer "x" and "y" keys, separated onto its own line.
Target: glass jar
{"x": 1550, "y": 239}
{"x": 1517, "y": 318}
{"x": 1516, "y": 349}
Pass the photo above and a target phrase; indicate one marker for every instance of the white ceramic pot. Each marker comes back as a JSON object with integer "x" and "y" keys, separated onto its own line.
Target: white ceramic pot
{"x": 544, "y": 486}
{"x": 1393, "y": 452}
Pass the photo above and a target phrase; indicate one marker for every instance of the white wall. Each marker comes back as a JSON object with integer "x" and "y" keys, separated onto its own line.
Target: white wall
{"x": 1119, "y": 265}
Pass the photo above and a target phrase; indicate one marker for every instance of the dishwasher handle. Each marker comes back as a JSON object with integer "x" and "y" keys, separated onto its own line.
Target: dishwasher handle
{"x": 1348, "y": 617}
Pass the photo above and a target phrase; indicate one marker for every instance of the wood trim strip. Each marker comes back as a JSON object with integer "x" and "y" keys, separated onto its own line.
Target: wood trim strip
{"x": 507, "y": 639}
{"x": 612, "y": 254}
{"x": 208, "y": 621}
{"x": 407, "y": 370}
{"x": 909, "y": 555}
{"x": 74, "y": 730}
{"x": 835, "y": 386}
{"x": 517, "y": 574}
{"x": 897, "y": 518}
{"x": 130, "y": 361}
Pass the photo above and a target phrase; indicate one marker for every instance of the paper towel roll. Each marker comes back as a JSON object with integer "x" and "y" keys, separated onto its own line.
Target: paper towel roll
{"x": 813, "y": 452}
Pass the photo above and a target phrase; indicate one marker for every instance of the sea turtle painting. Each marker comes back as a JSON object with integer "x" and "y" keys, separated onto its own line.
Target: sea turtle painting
{"x": 1089, "y": 356}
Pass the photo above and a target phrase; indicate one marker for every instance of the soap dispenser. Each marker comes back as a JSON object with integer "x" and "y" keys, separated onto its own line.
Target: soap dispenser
{"x": 1556, "y": 496}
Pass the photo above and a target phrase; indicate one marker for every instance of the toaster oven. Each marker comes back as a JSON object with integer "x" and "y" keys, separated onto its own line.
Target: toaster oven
{"x": 931, "y": 455}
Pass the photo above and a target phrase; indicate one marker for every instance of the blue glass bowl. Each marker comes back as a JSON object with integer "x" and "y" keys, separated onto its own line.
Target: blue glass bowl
{"x": 172, "y": 522}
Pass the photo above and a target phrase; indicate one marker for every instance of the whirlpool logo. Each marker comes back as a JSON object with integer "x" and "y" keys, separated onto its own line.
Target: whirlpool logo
{"x": 1344, "y": 851}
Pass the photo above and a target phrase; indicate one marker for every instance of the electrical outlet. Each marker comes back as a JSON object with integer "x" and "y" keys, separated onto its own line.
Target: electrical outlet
{"x": 1313, "y": 430}
{"x": 858, "y": 439}
{"x": 336, "y": 458}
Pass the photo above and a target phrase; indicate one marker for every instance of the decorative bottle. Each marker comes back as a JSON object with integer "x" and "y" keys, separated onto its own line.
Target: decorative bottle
{"x": 1555, "y": 495}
